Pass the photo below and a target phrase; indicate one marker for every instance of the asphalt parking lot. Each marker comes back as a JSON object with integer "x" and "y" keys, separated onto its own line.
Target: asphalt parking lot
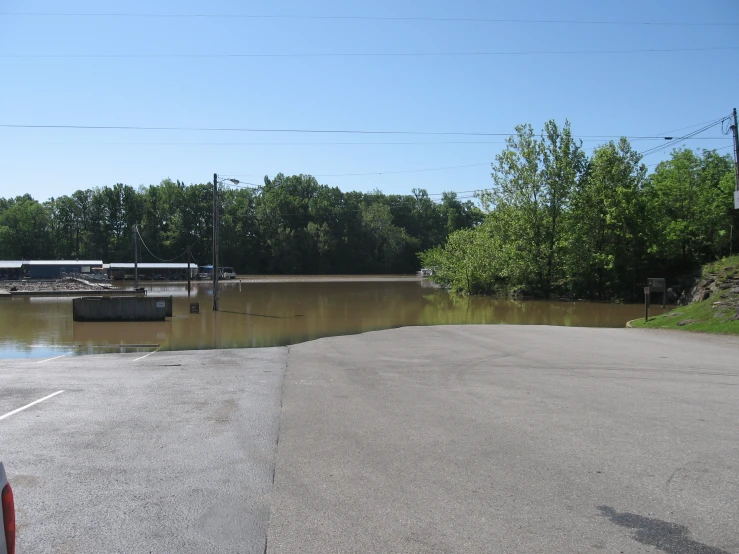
{"x": 434, "y": 439}
{"x": 170, "y": 453}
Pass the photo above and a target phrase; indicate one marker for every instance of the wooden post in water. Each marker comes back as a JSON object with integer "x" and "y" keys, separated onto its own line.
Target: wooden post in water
{"x": 188, "y": 272}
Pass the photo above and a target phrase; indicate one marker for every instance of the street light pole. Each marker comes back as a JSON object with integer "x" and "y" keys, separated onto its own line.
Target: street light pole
{"x": 216, "y": 224}
{"x": 135, "y": 257}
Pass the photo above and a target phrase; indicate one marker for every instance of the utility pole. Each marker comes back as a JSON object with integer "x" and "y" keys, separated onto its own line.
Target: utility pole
{"x": 735, "y": 129}
{"x": 188, "y": 272}
{"x": 135, "y": 257}
{"x": 215, "y": 242}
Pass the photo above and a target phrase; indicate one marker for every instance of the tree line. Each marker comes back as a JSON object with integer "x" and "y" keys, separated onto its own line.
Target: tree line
{"x": 555, "y": 222}
{"x": 290, "y": 225}
{"x": 561, "y": 223}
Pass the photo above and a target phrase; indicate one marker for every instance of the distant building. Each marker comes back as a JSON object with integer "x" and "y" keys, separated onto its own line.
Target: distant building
{"x": 150, "y": 271}
{"x": 54, "y": 269}
{"x": 11, "y": 269}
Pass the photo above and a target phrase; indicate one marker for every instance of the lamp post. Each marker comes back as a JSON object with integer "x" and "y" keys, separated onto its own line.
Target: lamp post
{"x": 135, "y": 258}
{"x": 216, "y": 223}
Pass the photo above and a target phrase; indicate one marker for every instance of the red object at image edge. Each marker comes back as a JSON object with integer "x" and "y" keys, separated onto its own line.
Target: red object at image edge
{"x": 9, "y": 518}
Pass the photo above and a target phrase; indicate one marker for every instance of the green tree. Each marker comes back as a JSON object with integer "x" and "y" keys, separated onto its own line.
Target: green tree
{"x": 65, "y": 227}
{"x": 24, "y": 229}
{"x": 533, "y": 180}
{"x": 689, "y": 208}
{"x": 292, "y": 224}
{"x": 607, "y": 223}
{"x": 388, "y": 240}
{"x": 469, "y": 262}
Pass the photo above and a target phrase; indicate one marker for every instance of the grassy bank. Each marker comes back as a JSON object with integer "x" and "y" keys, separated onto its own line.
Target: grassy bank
{"x": 719, "y": 286}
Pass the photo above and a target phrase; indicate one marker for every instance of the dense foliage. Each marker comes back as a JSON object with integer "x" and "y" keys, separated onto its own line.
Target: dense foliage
{"x": 560, "y": 223}
{"x": 289, "y": 225}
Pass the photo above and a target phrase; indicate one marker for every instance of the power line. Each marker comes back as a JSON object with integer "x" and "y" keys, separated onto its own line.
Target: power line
{"x": 458, "y": 192}
{"x": 714, "y": 149}
{"x": 378, "y": 143}
{"x": 688, "y": 127}
{"x": 483, "y": 189}
{"x": 364, "y": 54}
{"x": 406, "y": 194}
{"x": 307, "y": 212}
{"x": 686, "y": 136}
{"x": 302, "y": 131}
{"x": 251, "y": 186}
{"x": 157, "y": 257}
{"x": 396, "y": 171}
{"x": 236, "y": 129}
{"x": 679, "y": 139}
{"x": 381, "y": 143}
{"x": 711, "y": 122}
{"x": 381, "y": 172}
{"x": 368, "y": 18}
{"x": 227, "y": 180}
{"x": 408, "y": 171}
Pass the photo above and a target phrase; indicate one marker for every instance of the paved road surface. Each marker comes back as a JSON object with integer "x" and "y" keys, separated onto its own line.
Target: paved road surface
{"x": 172, "y": 453}
{"x": 489, "y": 439}
{"x": 504, "y": 439}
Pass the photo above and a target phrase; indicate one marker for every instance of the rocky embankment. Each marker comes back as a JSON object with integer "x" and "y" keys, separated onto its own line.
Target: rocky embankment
{"x": 69, "y": 284}
{"x": 708, "y": 303}
{"x": 722, "y": 285}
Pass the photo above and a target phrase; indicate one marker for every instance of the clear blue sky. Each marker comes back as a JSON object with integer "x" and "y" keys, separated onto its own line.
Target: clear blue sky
{"x": 601, "y": 94}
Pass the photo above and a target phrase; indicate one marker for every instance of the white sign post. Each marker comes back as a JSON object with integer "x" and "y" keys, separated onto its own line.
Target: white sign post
{"x": 736, "y": 199}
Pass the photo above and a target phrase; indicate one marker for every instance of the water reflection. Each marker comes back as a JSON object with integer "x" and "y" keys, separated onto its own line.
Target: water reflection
{"x": 272, "y": 312}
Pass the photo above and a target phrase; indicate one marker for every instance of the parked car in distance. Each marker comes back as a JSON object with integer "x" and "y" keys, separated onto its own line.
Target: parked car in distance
{"x": 228, "y": 273}
{"x": 7, "y": 537}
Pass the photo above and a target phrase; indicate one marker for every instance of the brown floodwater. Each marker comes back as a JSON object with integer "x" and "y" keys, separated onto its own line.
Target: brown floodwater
{"x": 267, "y": 311}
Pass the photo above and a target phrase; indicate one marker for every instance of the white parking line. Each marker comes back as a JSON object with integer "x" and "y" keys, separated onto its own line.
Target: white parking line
{"x": 55, "y": 358}
{"x": 145, "y": 355}
{"x": 29, "y": 405}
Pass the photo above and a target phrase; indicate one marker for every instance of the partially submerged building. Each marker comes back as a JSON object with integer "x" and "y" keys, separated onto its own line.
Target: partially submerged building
{"x": 11, "y": 269}
{"x": 55, "y": 269}
{"x": 151, "y": 271}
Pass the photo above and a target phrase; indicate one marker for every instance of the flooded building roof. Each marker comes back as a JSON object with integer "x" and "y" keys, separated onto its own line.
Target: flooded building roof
{"x": 11, "y": 264}
{"x": 64, "y": 262}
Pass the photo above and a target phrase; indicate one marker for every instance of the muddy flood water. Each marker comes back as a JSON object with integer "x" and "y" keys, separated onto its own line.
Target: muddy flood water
{"x": 278, "y": 311}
